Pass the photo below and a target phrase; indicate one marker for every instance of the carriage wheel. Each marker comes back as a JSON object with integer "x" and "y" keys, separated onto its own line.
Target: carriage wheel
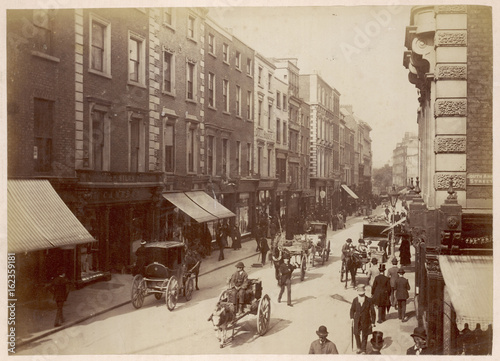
{"x": 263, "y": 315}
{"x": 172, "y": 293}
{"x": 323, "y": 256}
{"x": 303, "y": 268}
{"x": 138, "y": 291}
{"x": 188, "y": 291}
{"x": 328, "y": 251}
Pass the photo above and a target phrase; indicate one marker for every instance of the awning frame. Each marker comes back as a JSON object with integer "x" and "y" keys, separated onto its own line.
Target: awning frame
{"x": 349, "y": 191}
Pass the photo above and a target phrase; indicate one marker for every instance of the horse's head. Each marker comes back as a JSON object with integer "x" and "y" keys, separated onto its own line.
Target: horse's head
{"x": 218, "y": 316}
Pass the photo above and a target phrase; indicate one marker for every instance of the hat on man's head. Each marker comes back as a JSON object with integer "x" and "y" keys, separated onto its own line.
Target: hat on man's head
{"x": 419, "y": 332}
{"x": 377, "y": 338}
{"x": 394, "y": 260}
{"x": 401, "y": 271}
{"x": 143, "y": 242}
{"x": 361, "y": 289}
{"x": 240, "y": 265}
{"x": 322, "y": 331}
{"x": 348, "y": 240}
{"x": 381, "y": 267}
{"x": 361, "y": 240}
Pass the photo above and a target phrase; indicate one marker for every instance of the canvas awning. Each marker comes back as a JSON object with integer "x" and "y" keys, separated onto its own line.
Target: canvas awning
{"x": 401, "y": 221}
{"x": 188, "y": 206}
{"x": 349, "y": 191}
{"x": 469, "y": 281}
{"x": 37, "y": 218}
{"x": 211, "y": 205}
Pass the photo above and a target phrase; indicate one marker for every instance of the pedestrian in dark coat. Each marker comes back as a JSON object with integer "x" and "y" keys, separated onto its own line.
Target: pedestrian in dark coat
{"x": 381, "y": 292}
{"x": 420, "y": 343}
{"x": 402, "y": 288}
{"x": 363, "y": 317}
{"x": 264, "y": 248}
{"x": 404, "y": 251}
{"x": 60, "y": 288}
{"x": 140, "y": 261}
{"x": 220, "y": 242}
{"x": 236, "y": 235}
{"x": 377, "y": 342}
{"x": 286, "y": 270}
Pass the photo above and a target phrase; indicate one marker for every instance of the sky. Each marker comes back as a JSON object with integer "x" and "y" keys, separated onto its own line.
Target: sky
{"x": 358, "y": 50}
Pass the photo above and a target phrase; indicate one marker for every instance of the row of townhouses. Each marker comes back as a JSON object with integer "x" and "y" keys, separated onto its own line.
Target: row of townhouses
{"x": 127, "y": 115}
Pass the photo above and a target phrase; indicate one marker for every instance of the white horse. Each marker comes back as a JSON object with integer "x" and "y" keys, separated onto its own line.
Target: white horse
{"x": 222, "y": 318}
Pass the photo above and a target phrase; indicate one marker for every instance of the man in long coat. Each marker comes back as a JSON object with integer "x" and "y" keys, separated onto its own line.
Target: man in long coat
{"x": 402, "y": 288}
{"x": 381, "y": 292}
{"x": 363, "y": 317}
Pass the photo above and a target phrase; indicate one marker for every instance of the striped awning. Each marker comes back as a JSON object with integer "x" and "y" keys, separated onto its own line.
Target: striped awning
{"x": 469, "y": 281}
{"x": 37, "y": 218}
{"x": 349, "y": 191}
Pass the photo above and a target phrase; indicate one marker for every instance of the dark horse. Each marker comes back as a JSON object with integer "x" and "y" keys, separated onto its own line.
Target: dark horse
{"x": 192, "y": 261}
{"x": 352, "y": 263}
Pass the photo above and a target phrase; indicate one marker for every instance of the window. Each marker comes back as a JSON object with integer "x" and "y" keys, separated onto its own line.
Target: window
{"x": 168, "y": 17}
{"x": 285, "y": 132}
{"x": 137, "y": 57}
{"x": 259, "y": 79}
{"x": 238, "y": 60}
{"x": 211, "y": 89}
{"x": 278, "y": 99}
{"x": 191, "y": 27}
{"x": 191, "y": 146}
{"x": 238, "y": 100}
{"x": 225, "y": 53}
{"x": 225, "y": 94}
{"x": 100, "y": 46}
{"x": 43, "y": 121}
{"x": 269, "y": 78}
{"x": 269, "y": 113}
{"x": 278, "y": 130}
{"x": 249, "y": 104}
{"x": 190, "y": 81}
{"x": 249, "y": 158}
{"x": 260, "y": 113}
{"x": 168, "y": 147}
{"x": 238, "y": 156}
{"x": 285, "y": 104}
{"x": 259, "y": 159}
{"x": 225, "y": 157}
{"x": 211, "y": 44}
{"x": 98, "y": 140}
{"x": 249, "y": 66}
{"x": 269, "y": 152}
{"x": 281, "y": 170}
{"x": 137, "y": 144}
{"x": 43, "y": 30}
{"x": 210, "y": 155}
{"x": 168, "y": 72}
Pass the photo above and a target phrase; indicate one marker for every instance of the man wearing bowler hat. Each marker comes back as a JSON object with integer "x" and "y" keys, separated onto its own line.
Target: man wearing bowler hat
{"x": 238, "y": 284}
{"x": 323, "y": 345}
{"x": 377, "y": 342}
{"x": 140, "y": 262}
{"x": 402, "y": 288}
{"x": 286, "y": 270}
{"x": 420, "y": 339}
{"x": 363, "y": 318}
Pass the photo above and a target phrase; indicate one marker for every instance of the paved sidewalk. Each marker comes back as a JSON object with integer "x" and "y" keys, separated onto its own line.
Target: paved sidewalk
{"x": 35, "y": 320}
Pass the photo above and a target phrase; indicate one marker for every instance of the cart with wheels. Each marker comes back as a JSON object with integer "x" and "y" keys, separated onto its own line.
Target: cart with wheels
{"x": 164, "y": 275}
{"x": 320, "y": 246}
{"x": 255, "y": 303}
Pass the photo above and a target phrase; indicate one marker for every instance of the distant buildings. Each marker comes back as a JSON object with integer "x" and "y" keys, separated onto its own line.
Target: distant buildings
{"x": 405, "y": 161}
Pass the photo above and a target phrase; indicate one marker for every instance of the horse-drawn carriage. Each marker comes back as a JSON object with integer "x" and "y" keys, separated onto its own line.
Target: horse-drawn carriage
{"x": 165, "y": 273}
{"x": 225, "y": 316}
{"x": 316, "y": 234}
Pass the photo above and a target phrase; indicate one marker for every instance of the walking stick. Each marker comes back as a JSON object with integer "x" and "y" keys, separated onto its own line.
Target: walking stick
{"x": 352, "y": 335}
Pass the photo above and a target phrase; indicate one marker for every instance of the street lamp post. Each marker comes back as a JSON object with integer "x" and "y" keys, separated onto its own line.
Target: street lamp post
{"x": 394, "y": 199}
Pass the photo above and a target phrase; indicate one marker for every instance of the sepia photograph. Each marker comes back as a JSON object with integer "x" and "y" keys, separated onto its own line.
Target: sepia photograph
{"x": 270, "y": 179}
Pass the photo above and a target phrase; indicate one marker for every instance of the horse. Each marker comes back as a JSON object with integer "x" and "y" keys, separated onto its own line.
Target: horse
{"x": 352, "y": 263}
{"x": 192, "y": 261}
{"x": 222, "y": 318}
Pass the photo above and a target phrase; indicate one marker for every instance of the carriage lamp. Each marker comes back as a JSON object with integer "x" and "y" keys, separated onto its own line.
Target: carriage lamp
{"x": 394, "y": 199}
